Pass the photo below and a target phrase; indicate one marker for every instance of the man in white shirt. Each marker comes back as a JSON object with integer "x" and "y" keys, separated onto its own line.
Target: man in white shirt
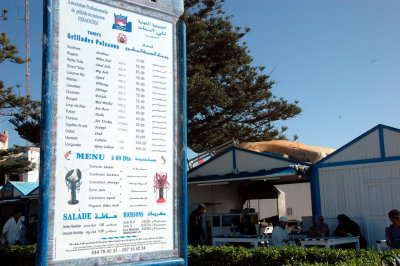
{"x": 12, "y": 229}
{"x": 280, "y": 234}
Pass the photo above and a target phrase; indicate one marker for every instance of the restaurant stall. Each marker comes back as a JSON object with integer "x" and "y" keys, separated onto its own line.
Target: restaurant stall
{"x": 239, "y": 181}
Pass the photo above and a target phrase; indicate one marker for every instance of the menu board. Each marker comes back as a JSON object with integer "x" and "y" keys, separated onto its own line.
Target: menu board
{"x": 114, "y": 143}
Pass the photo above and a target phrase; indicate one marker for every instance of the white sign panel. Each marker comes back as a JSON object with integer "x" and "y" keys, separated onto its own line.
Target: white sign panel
{"x": 114, "y": 145}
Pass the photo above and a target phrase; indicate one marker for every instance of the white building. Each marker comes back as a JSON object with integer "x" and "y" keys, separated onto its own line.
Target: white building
{"x": 361, "y": 180}
{"x": 31, "y": 154}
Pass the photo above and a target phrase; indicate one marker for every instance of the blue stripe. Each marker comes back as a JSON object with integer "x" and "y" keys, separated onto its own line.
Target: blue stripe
{"x": 348, "y": 144}
{"x": 315, "y": 192}
{"x": 234, "y": 159}
{"x": 364, "y": 161}
{"x": 184, "y": 222}
{"x": 382, "y": 143}
{"x": 45, "y": 132}
{"x": 274, "y": 171}
{"x": 267, "y": 155}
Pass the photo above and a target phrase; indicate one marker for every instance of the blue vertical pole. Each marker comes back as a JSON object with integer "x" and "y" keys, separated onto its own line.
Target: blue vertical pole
{"x": 315, "y": 191}
{"x": 45, "y": 133}
{"x": 182, "y": 66}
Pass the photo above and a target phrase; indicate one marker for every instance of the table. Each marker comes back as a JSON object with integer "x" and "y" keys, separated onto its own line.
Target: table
{"x": 330, "y": 241}
{"x": 381, "y": 245}
{"x": 238, "y": 238}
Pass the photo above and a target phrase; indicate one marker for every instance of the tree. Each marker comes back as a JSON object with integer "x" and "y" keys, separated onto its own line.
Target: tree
{"x": 24, "y": 113}
{"x": 10, "y": 166}
{"x": 226, "y": 96}
{"x": 28, "y": 127}
{"x": 12, "y": 105}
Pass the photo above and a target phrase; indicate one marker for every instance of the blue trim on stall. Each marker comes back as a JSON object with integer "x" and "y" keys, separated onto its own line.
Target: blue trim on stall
{"x": 364, "y": 161}
{"x": 379, "y": 127}
{"x": 314, "y": 178}
{"x": 184, "y": 236}
{"x": 382, "y": 142}
{"x": 263, "y": 154}
{"x": 315, "y": 191}
{"x": 234, "y": 160}
{"x": 45, "y": 133}
{"x": 241, "y": 175}
{"x": 347, "y": 145}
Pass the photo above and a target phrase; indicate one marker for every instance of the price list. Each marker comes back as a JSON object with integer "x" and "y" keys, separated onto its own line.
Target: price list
{"x": 114, "y": 143}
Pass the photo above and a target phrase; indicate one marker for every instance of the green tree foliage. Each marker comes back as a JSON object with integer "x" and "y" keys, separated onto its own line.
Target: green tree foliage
{"x": 28, "y": 127}
{"x": 226, "y": 96}
{"x": 22, "y": 109}
{"x": 11, "y": 162}
{"x": 25, "y": 112}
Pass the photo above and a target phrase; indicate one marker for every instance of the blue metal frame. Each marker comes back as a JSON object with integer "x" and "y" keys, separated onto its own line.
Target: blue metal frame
{"x": 184, "y": 237}
{"x": 45, "y": 132}
{"x": 45, "y": 151}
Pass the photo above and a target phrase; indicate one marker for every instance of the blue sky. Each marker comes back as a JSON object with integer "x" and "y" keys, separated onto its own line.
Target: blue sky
{"x": 340, "y": 59}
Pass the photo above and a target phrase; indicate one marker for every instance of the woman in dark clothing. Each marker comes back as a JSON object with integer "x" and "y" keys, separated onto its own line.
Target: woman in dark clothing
{"x": 348, "y": 227}
{"x": 392, "y": 232}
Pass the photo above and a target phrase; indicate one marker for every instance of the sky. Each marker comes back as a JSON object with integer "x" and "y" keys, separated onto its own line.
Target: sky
{"x": 340, "y": 59}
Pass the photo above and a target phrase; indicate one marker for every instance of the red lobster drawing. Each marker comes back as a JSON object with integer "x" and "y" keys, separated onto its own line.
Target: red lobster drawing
{"x": 161, "y": 184}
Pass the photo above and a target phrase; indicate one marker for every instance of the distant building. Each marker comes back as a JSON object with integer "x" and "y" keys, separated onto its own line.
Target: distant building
{"x": 4, "y": 141}
{"x": 31, "y": 154}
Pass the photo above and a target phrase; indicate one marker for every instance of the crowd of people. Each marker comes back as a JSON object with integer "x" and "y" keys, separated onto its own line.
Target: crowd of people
{"x": 15, "y": 232}
{"x": 280, "y": 234}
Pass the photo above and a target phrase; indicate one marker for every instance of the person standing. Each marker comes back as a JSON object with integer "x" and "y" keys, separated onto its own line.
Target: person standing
{"x": 12, "y": 229}
{"x": 195, "y": 229}
{"x": 392, "y": 232}
{"x": 31, "y": 232}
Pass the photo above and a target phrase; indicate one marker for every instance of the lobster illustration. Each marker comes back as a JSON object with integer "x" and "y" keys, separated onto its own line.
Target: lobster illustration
{"x": 161, "y": 184}
{"x": 73, "y": 183}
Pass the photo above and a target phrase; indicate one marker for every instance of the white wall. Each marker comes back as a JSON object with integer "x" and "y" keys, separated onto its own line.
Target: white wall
{"x": 364, "y": 192}
{"x": 33, "y": 155}
{"x": 297, "y": 197}
{"x": 218, "y": 199}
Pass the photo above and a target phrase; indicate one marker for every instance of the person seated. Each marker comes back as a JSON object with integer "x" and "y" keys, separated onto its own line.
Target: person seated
{"x": 348, "y": 227}
{"x": 319, "y": 229}
{"x": 246, "y": 227}
{"x": 280, "y": 234}
{"x": 392, "y": 232}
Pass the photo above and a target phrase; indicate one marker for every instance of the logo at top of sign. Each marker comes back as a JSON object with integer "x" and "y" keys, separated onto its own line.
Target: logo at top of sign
{"x": 122, "y": 38}
{"x": 121, "y": 23}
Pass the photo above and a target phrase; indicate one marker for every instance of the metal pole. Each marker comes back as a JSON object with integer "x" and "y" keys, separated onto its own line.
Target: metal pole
{"x": 45, "y": 133}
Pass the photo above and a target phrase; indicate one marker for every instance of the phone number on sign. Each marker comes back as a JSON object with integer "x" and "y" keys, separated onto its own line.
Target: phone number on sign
{"x": 115, "y": 250}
